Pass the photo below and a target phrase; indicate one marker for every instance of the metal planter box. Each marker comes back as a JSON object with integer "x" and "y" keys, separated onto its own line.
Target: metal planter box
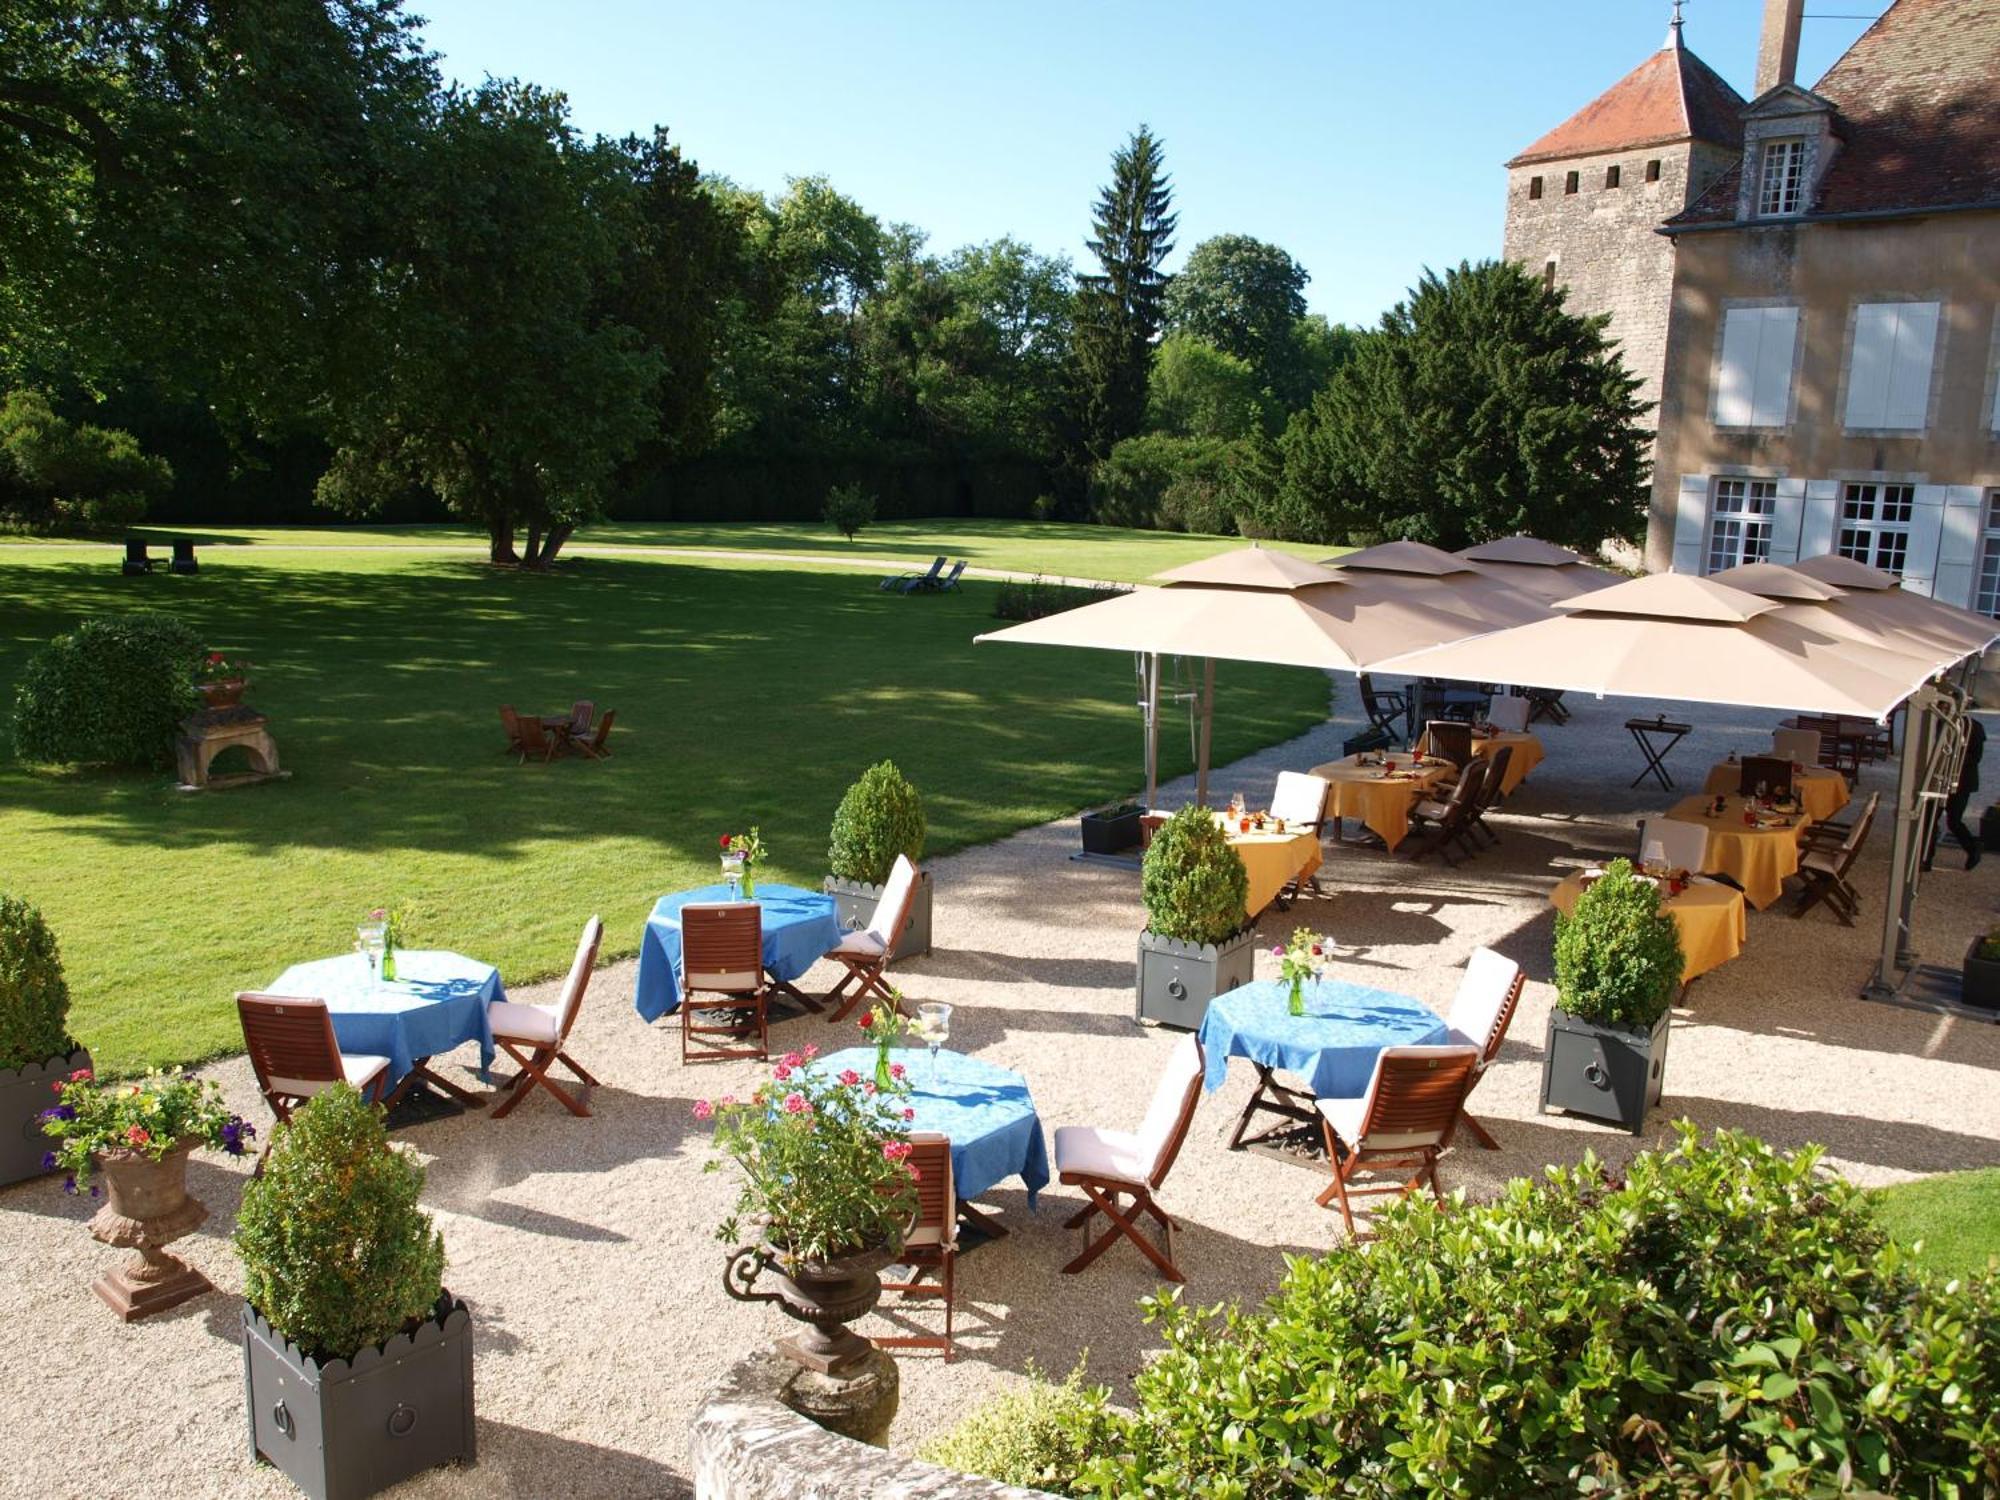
{"x": 24, "y": 1094}
{"x": 1111, "y": 831}
{"x": 1609, "y": 1073}
{"x": 1980, "y": 984}
{"x": 344, "y": 1429}
{"x": 854, "y": 904}
{"x": 1177, "y": 980}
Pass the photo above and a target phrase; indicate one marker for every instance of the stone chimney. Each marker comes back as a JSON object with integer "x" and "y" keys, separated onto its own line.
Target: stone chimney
{"x": 1778, "y": 50}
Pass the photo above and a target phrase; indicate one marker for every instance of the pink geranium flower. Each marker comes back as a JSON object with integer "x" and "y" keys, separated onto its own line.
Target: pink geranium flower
{"x": 909, "y": 1114}
{"x": 812, "y": 1051}
{"x": 703, "y": 1110}
{"x": 792, "y": 1060}
{"x": 781, "y": 1073}
{"x": 795, "y": 1103}
{"x": 849, "y": 1077}
{"x": 896, "y": 1150}
{"x": 896, "y": 1070}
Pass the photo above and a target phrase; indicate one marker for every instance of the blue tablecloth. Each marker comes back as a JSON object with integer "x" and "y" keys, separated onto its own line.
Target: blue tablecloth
{"x": 985, "y": 1109}
{"x": 798, "y": 928}
{"x": 1333, "y": 1046}
{"x": 436, "y": 1003}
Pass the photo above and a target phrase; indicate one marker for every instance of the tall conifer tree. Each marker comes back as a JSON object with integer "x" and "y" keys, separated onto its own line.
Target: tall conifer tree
{"x": 1119, "y": 311}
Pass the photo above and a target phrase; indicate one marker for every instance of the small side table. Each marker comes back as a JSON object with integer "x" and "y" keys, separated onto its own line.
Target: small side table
{"x": 1656, "y": 739}
{"x": 208, "y": 733}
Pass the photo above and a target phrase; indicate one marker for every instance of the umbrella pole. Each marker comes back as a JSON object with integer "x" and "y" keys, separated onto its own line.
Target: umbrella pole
{"x": 1152, "y": 707}
{"x": 1925, "y": 725}
{"x": 1207, "y": 729}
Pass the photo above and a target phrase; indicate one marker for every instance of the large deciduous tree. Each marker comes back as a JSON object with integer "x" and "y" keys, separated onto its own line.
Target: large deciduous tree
{"x": 1480, "y": 408}
{"x": 1119, "y": 309}
{"x": 1243, "y": 296}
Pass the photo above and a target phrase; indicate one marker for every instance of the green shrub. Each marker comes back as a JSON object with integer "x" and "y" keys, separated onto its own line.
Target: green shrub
{"x": 1618, "y": 956}
{"x": 57, "y": 475}
{"x": 1130, "y": 484}
{"x": 336, "y": 1254}
{"x": 880, "y": 817}
{"x": 849, "y": 508}
{"x": 1725, "y": 1320}
{"x": 34, "y": 998}
{"x": 1031, "y": 599}
{"x": 1989, "y": 946}
{"x": 1037, "y": 1436}
{"x": 1194, "y": 883}
{"x": 114, "y": 690}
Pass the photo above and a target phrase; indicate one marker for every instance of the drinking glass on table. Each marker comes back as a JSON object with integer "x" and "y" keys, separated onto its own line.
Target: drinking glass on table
{"x": 368, "y": 937}
{"x": 1236, "y": 804}
{"x": 934, "y": 1026}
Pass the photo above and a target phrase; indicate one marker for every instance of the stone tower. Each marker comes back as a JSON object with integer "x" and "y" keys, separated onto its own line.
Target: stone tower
{"x": 1584, "y": 201}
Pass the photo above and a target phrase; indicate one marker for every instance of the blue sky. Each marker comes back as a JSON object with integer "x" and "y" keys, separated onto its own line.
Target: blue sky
{"x": 1365, "y": 137}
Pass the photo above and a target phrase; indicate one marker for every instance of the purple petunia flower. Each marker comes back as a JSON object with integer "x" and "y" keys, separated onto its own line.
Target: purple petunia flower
{"x": 59, "y": 1112}
{"x": 69, "y": 1186}
{"x": 48, "y": 1161}
{"x": 234, "y": 1134}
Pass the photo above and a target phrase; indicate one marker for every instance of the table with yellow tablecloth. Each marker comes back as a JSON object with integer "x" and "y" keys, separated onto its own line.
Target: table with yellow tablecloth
{"x": 1272, "y": 858}
{"x": 1711, "y": 918}
{"x": 1527, "y": 755}
{"x": 1379, "y": 803}
{"x": 1758, "y": 859}
{"x": 1821, "y": 792}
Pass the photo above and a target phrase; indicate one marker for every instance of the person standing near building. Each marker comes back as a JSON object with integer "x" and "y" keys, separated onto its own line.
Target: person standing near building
{"x": 1961, "y": 796}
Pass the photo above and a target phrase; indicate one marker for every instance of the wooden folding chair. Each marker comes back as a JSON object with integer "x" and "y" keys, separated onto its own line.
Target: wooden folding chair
{"x": 533, "y": 739}
{"x": 1449, "y": 739}
{"x": 1405, "y": 1121}
{"x": 1448, "y": 822}
{"x": 511, "y": 723}
{"x": 593, "y": 748}
{"x": 1481, "y": 1011}
{"x": 295, "y": 1055}
{"x": 1112, "y": 1166}
{"x": 536, "y": 1036}
{"x": 866, "y": 954}
{"x": 1489, "y": 793}
{"x": 1831, "y": 833}
{"x": 932, "y": 1243}
{"x": 581, "y": 713}
{"x": 1387, "y": 709}
{"x": 1825, "y": 871}
{"x": 1773, "y": 773}
{"x": 1546, "y": 703}
{"x": 722, "y": 960}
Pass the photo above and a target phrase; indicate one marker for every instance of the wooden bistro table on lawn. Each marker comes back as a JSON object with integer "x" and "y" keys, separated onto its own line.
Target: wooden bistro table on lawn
{"x": 1380, "y": 800}
{"x": 1821, "y": 792}
{"x": 1332, "y": 1047}
{"x": 1711, "y": 917}
{"x": 1273, "y": 857}
{"x": 1756, "y": 856}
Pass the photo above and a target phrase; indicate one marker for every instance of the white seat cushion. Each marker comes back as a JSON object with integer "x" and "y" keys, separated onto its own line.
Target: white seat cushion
{"x": 860, "y": 945}
{"x": 356, "y": 1067}
{"x": 1435, "y": 811}
{"x": 1344, "y": 1115}
{"x": 528, "y": 1023}
{"x": 1113, "y": 1154}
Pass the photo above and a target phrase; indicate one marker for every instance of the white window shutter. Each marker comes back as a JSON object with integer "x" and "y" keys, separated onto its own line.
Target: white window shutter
{"x": 1736, "y": 368}
{"x": 1817, "y": 528}
{"x": 1691, "y": 525}
{"x": 1771, "y": 400}
{"x": 1926, "y": 528}
{"x": 1870, "y": 363}
{"x": 1958, "y": 545}
{"x": 1788, "y": 506}
{"x": 1909, "y": 393}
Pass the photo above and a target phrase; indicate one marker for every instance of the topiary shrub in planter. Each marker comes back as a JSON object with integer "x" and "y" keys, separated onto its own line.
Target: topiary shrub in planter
{"x": 357, "y": 1364}
{"x": 1618, "y": 967}
{"x": 113, "y": 691}
{"x": 1721, "y": 1320}
{"x": 1198, "y": 941}
{"x": 880, "y": 816}
{"x": 36, "y": 1050}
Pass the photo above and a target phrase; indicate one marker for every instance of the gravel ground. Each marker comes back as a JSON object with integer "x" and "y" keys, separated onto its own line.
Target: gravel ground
{"x": 586, "y": 1250}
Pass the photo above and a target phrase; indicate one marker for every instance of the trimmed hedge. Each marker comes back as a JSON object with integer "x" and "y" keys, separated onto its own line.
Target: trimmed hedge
{"x": 114, "y": 690}
{"x": 34, "y": 997}
{"x": 1618, "y": 956}
{"x": 1723, "y": 1320}
{"x": 1194, "y": 884}
{"x": 879, "y": 817}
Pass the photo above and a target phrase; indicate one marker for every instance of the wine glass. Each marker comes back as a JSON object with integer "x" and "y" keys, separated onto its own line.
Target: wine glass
{"x": 1236, "y": 805}
{"x": 732, "y": 871}
{"x": 934, "y": 1026}
{"x": 368, "y": 938}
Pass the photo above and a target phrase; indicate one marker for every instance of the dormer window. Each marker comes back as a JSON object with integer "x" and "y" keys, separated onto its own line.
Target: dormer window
{"x": 1782, "y": 180}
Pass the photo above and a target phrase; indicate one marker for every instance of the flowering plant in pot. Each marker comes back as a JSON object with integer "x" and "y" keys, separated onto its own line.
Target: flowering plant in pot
{"x": 346, "y": 1316}
{"x": 829, "y": 1188}
{"x": 139, "y": 1136}
{"x": 36, "y": 1050}
{"x": 1198, "y": 940}
{"x": 880, "y": 816}
{"x": 221, "y": 678}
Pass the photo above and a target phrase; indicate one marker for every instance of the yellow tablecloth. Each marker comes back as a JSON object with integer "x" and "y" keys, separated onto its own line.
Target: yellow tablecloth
{"x": 1527, "y": 754}
{"x": 1271, "y": 859}
{"x": 1377, "y": 803}
{"x": 1758, "y": 859}
{"x": 1711, "y": 918}
{"x": 1821, "y": 792}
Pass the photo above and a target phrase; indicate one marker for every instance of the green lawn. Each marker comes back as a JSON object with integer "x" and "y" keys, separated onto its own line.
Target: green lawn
{"x": 1956, "y": 1215}
{"x": 745, "y": 694}
{"x": 1022, "y": 546}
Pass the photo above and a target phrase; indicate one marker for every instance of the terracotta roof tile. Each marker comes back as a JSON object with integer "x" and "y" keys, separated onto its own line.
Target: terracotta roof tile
{"x": 1671, "y": 96}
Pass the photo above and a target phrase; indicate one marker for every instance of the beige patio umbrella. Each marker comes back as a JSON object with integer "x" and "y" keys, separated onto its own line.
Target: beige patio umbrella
{"x": 1674, "y": 636}
{"x": 1418, "y": 571}
{"x": 1878, "y": 613}
{"x": 1540, "y": 568}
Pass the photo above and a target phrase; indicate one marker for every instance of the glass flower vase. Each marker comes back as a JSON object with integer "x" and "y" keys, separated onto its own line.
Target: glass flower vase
{"x": 883, "y": 1077}
{"x": 1298, "y": 1001}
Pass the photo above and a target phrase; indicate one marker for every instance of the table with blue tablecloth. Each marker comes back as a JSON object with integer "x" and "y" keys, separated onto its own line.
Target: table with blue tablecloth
{"x": 435, "y": 1004}
{"x": 799, "y": 928}
{"x": 985, "y": 1110}
{"x": 1333, "y": 1046}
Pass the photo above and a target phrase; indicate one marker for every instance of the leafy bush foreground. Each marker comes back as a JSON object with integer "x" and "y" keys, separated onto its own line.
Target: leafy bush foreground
{"x": 1724, "y": 1320}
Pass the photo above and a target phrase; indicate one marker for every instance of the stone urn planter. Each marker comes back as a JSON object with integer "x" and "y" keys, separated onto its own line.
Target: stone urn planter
{"x": 146, "y": 1208}
{"x": 854, "y": 904}
{"x": 343, "y": 1428}
{"x": 1609, "y": 1073}
{"x": 1177, "y": 979}
{"x": 1980, "y": 980}
{"x": 857, "y": 1387}
{"x": 24, "y": 1094}
{"x": 224, "y": 694}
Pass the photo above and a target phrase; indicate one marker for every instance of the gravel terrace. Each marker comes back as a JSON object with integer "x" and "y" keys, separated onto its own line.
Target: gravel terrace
{"x": 585, "y": 1246}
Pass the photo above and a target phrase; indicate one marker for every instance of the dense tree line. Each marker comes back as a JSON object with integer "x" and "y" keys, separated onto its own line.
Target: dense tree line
{"x": 270, "y": 240}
